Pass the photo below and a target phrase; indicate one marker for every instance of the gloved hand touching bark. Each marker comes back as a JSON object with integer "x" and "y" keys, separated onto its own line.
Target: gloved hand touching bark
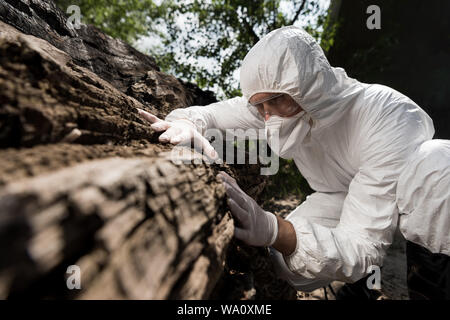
{"x": 178, "y": 131}
{"x": 256, "y": 227}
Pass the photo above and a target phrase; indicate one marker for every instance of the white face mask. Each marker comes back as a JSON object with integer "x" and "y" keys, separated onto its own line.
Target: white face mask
{"x": 284, "y": 134}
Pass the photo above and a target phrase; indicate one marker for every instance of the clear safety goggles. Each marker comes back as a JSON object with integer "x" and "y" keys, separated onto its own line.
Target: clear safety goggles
{"x": 275, "y": 106}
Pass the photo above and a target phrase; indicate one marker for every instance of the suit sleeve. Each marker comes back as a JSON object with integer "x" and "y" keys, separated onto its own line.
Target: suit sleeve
{"x": 229, "y": 114}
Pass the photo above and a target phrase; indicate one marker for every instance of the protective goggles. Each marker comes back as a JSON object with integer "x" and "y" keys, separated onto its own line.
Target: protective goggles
{"x": 277, "y": 105}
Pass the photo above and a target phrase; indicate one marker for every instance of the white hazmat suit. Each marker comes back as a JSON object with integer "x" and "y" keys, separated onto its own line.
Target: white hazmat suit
{"x": 368, "y": 155}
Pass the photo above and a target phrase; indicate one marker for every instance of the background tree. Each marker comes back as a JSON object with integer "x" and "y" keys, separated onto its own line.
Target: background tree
{"x": 206, "y": 41}
{"x": 124, "y": 19}
{"x": 200, "y": 41}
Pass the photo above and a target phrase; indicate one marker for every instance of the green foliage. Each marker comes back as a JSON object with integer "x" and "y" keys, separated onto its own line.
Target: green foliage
{"x": 124, "y": 19}
{"x": 330, "y": 26}
{"x": 221, "y": 32}
{"x": 201, "y": 41}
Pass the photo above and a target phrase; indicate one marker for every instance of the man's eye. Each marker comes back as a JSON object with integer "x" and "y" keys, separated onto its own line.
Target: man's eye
{"x": 260, "y": 110}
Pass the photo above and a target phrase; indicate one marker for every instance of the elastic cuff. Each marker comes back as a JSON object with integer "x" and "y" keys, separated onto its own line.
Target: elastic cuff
{"x": 187, "y": 120}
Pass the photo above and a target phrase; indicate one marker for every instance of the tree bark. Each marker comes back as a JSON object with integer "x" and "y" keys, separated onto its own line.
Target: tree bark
{"x": 84, "y": 181}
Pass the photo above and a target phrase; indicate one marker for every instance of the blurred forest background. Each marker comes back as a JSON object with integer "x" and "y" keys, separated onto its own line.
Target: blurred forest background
{"x": 200, "y": 41}
{"x": 205, "y": 41}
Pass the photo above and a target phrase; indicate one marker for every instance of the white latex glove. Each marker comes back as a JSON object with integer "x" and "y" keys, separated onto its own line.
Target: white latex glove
{"x": 178, "y": 131}
{"x": 257, "y": 227}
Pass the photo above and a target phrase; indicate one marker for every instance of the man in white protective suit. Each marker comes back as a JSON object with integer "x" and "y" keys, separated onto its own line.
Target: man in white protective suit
{"x": 365, "y": 149}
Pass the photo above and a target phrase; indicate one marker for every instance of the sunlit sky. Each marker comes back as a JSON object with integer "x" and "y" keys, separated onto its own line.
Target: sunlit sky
{"x": 147, "y": 43}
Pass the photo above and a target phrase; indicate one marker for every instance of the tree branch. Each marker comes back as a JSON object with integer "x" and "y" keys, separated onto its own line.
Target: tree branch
{"x": 250, "y": 31}
{"x": 275, "y": 14}
{"x": 297, "y": 14}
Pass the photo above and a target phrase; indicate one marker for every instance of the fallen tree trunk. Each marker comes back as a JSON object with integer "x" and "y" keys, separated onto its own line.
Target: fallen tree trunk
{"x": 84, "y": 181}
{"x": 133, "y": 226}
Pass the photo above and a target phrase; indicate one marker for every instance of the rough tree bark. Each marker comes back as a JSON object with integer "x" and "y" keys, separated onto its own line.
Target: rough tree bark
{"x": 84, "y": 181}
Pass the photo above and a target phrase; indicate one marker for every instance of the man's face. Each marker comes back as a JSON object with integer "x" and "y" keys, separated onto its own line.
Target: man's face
{"x": 269, "y": 104}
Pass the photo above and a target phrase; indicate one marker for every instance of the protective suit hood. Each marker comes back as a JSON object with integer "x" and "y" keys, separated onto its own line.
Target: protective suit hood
{"x": 289, "y": 60}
